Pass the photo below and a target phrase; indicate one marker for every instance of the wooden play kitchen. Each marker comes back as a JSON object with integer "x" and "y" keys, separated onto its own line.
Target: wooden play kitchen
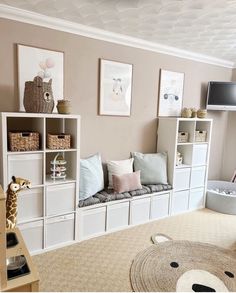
{"x": 17, "y": 271}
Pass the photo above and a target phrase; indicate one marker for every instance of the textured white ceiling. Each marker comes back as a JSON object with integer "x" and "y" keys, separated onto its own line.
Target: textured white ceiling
{"x": 201, "y": 26}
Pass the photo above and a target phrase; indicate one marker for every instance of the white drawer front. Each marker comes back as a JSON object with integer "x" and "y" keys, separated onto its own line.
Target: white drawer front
{"x": 92, "y": 222}
{"x": 30, "y": 204}
{"x": 196, "y": 198}
{"x": 180, "y": 201}
{"x": 117, "y": 216}
{"x": 59, "y": 230}
{"x": 198, "y": 177}
{"x": 28, "y": 166}
{"x": 60, "y": 199}
{"x": 199, "y": 154}
{"x": 33, "y": 235}
{"x": 182, "y": 179}
{"x": 160, "y": 206}
{"x": 140, "y": 210}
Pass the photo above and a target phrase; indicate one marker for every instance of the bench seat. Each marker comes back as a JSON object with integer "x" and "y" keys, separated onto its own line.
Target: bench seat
{"x": 107, "y": 195}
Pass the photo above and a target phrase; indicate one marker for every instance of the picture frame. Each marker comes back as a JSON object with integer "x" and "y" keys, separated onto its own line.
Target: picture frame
{"x": 171, "y": 89}
{"x": 115, "y": 88}
{"x": 46, "y": 63}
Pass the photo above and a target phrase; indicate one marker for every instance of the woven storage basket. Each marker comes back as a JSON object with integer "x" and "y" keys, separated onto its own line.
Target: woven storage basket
{"x": 183, "y": 137}
{"x": 200, "y": 136}
{"x": 58, "y": 141}
{"x": 23, "y": 141}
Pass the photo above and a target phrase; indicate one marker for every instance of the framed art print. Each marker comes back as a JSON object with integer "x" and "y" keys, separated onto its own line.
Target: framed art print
{"x": 115, "y": 88}
{"x": 170, "y": 93}
{"x": 47, "y": 64}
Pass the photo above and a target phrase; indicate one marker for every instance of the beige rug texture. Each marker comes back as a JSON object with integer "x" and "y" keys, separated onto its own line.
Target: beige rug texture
{"x": 103, "y": 263}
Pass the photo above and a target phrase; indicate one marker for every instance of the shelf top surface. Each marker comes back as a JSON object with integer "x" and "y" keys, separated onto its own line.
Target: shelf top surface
{"x": 186, "y": 119}
{"x": 39, "y": 115}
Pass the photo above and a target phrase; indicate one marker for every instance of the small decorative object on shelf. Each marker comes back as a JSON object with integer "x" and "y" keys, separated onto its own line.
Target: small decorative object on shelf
{"x": 58, "y": 141}
{"x": 58, "y": 167}
{"x": 182, "y": 137}
{"x": 194, "y": 112}
{"x": 179, "y": 159}
{"x": 23, "y": 141}
{"x": 38, "y": 96}
{"x": 202, "y": 113}
{"x": 64, "y": 106}
{"x": 200, "y": 135}
{"x": 186, "y": 113}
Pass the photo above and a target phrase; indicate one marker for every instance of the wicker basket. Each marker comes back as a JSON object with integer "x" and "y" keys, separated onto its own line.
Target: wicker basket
{"x": 23, "y": 141}
{"x": 200, "y": 136}
{"x": 182, "y": 137}
{"x": 58, "y": 141}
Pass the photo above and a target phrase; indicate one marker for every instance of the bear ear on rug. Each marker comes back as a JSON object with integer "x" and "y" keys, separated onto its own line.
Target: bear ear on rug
{"x": 159, "y": 238}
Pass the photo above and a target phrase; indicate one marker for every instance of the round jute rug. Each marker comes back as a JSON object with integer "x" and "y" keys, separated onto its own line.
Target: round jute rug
{"x": 184, "y": 266}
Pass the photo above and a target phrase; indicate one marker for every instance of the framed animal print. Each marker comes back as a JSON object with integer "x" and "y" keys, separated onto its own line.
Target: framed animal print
{"x": 115, "y": 88}
{"x": 46, "y": 65}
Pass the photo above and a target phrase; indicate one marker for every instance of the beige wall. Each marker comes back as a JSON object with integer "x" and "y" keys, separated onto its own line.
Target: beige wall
{"x": 114, "y": 137}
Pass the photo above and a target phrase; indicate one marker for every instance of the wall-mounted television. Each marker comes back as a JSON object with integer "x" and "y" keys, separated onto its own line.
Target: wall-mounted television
{"x": 221, "y": 96}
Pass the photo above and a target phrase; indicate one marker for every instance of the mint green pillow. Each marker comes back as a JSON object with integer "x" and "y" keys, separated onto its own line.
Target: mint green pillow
{"x": 91, "y": 176}
{"x": 152, "y": 166}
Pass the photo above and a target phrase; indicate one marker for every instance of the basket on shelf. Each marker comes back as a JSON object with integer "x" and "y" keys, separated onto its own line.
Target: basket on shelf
{"x": 58, "y": 141}
{"x": 182, "y": 137}
{"x": 200, "y": 135}
{"x": 23, "y": 141}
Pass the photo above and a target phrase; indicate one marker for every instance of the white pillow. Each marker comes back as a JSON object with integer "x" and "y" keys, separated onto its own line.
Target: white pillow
{"x": 119, "y": 168}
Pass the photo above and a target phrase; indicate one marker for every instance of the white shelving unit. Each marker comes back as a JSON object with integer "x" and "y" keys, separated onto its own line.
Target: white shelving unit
{"x": 189, "y": 179}
{"x": 46, "y": 212}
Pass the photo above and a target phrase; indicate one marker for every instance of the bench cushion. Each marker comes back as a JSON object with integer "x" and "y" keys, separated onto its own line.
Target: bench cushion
{"x": 109, "y": 194}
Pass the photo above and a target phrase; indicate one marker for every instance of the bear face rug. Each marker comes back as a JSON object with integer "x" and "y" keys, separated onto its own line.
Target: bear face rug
{"x": 183, "y": 266}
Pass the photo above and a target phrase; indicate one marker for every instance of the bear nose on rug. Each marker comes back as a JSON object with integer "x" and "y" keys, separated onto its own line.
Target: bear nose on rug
{"x": 202, "y": 288}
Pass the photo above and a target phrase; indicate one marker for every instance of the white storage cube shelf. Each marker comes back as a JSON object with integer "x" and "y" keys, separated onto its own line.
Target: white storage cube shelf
{"x": 30, "y": 204}
{"x": 180, "y": 201}
{"x": 46, "y": 212}
{"x": 33, "y": 235}
{"x": 198, "y": 177}
{"x": 196, "y": 198}
{"x": 140, "y": 211}
{"x": 182, "y": 178}
{"x": 60, "y": 230}
{"x": 28, "y": 166}
{"x": 160, "y": 206}
{"x": 117, "y": 216}
{"x": 199, "y": 154}
{"x": 60, "y": 199}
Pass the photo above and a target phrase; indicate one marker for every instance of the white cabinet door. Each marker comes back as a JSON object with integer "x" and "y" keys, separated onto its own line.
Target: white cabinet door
{"x": 199, "y": 154}
{"x": 28, "y": 166}
{"x": 180, "y": 202}
{"x": 182, "y": 178}
{"x": 117, "y": 216}
{"x": 198, "y": 177}
{"x": 33, "y": 235}
{"x": 59, "y": 230}
{"x": 92, "y": 222}
{"x": 196, "y": 198}
{"x": 160, "y": 206}
{"x": 60, "y": 199}
{"x": 30, "y": 204}
{"x": 140, "y": 210}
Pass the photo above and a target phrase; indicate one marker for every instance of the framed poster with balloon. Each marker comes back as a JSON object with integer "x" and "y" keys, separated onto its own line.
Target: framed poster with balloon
{"x": 47, "y": 64}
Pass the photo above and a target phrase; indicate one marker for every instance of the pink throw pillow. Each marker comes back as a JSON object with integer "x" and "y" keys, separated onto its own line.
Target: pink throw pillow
{"x": 126, "y": 182}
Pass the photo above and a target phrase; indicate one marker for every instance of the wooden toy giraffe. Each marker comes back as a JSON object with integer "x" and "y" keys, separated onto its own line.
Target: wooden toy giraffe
{"x": 14, "y": 187}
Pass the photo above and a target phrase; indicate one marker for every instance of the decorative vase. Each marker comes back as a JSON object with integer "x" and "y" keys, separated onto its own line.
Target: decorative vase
{"x": 38, "y": 96}
{"x": 186, "y": 113}
{"x": 202, "y": 113}
{"x": 64, "y": 106}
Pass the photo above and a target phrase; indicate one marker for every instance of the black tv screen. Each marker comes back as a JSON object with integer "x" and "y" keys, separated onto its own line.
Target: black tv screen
{"x": 221, "y": 96}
